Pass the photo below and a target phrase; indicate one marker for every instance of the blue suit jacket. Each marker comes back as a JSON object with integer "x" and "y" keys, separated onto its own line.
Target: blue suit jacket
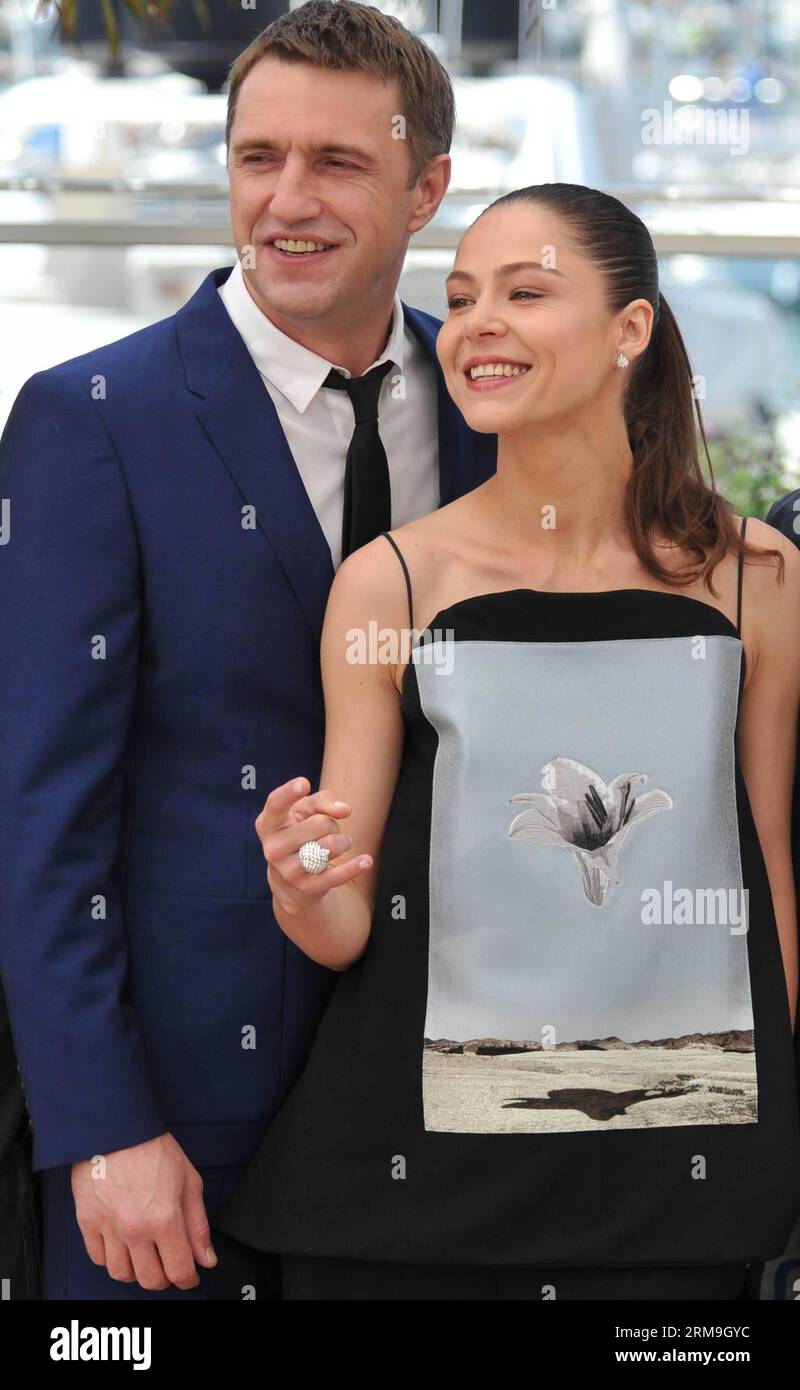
{"x": 159, "y": 675}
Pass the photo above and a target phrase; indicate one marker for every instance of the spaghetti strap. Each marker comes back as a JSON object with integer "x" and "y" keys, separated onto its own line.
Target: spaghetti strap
{"x": 392, "y": 542}
{"x": 739, "y": 590}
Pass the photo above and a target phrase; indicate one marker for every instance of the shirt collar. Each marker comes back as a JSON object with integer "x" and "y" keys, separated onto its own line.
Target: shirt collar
{"x": 295, "y": 370}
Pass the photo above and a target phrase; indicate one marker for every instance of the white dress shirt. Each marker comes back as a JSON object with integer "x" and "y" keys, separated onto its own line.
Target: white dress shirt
{"x": 318, "y": 422}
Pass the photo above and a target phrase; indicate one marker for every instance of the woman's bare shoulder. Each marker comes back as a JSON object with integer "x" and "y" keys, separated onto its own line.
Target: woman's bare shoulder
{"x": 763, "y": 570}
{"x": 370, "y": 583}
{"x": 436, "y": 531}
{"x": 761, "y": 534}
{"x": 769, "y": 603}
{"x": 425, "y": 544}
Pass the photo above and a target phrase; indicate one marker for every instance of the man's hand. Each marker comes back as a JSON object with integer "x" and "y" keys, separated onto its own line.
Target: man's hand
{"x": 142, "y": 1215}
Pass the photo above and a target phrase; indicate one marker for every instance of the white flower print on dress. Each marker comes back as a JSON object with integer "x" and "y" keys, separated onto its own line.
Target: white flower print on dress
{"x": 580, "y": 813}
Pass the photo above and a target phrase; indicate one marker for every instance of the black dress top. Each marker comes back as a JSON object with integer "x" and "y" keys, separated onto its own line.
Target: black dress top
{"x": 568, "y": 1040}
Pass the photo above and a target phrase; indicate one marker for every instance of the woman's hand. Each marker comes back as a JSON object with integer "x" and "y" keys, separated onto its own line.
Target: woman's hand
{"x": 292, "y": 815}
{"x": 364, "y": 734}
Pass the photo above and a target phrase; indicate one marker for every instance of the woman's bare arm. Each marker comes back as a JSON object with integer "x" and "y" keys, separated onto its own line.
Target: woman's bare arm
{"x": 329, "y": 915}
{"x": 767, "y": 737}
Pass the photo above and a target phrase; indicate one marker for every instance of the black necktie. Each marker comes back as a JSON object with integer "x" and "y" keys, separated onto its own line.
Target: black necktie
{"x": 367, "y": 493}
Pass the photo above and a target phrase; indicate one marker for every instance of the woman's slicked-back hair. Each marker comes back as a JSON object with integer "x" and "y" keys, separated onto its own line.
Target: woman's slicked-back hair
{"x": 667, "y": 486}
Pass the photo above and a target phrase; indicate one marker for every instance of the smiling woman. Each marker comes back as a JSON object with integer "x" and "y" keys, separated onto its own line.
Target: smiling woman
{"x": 526, "y": 1057}
{"x": 584, "y": 290}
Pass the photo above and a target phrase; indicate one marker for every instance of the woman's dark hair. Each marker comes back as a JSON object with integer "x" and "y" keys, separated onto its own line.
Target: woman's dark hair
{"x": 666, "y": 486}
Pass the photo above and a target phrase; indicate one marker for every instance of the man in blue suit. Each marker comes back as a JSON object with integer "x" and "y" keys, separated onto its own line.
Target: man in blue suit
{"x": 176, "y": 509}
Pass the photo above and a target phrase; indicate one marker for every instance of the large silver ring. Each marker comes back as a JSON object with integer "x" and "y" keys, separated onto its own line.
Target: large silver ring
{"x": 313, "y": 857}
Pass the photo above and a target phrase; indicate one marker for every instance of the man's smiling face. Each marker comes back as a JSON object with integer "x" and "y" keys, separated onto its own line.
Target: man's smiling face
{"x": 312, "y": 159}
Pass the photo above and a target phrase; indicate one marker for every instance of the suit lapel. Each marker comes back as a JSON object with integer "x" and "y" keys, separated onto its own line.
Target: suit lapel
{"x": 425, "y": 329}
{"x": 466, "y": 458}
{"x": 239, "y": 417}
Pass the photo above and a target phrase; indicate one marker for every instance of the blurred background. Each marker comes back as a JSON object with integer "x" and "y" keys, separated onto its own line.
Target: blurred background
{"x": 113, "y": 189}
{"x": 113, "y": 183}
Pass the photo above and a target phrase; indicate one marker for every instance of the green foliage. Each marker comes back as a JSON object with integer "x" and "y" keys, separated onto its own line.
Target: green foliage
{"x": 751, "y": 469}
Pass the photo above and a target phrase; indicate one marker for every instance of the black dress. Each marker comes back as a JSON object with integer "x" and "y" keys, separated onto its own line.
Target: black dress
{"x": 568, "y": 1042}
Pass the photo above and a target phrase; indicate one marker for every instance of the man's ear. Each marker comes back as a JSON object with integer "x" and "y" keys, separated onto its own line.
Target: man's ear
{"x": 431, "y": 186}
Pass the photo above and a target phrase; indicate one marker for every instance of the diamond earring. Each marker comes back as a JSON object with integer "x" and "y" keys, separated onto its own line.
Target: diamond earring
{"x": 621, "y": 360}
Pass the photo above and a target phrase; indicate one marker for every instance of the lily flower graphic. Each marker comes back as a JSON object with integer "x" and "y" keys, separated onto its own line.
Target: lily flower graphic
{"x": 582, "y": 814}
